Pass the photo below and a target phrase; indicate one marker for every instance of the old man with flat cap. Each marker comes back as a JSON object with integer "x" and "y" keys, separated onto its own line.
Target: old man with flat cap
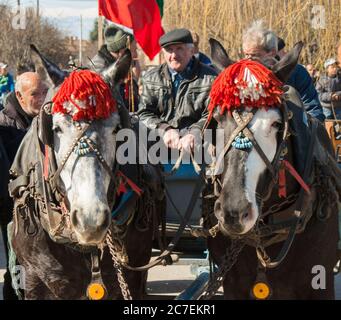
{"x": 175, "y": 94}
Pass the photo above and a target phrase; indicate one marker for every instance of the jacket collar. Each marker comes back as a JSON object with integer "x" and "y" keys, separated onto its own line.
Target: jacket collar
{"x": 192, "y": 74}
{"x": 14, "y": 111}
{"x": 106, "y": 55}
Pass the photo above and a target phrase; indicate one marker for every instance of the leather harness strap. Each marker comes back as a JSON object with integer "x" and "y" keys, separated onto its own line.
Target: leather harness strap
{"x": 241, "y": 125}
{"x": 196, "y": 192}
{"x": 255, "y": 144}
{"x": 53, "y": 180}
{"x": 266, "y": 261}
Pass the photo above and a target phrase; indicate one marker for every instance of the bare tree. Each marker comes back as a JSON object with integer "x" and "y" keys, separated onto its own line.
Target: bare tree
{"x": 14, "y": 42}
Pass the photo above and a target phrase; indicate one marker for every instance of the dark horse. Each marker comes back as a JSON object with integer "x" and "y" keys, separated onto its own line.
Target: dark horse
{"x": 72, "y": 199}
{"x": 290, "y": 241}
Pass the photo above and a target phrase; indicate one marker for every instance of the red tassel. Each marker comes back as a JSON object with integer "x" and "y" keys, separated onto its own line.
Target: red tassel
{"x": 232, "y": 86}
{"x": 91, "y": 89}
{"x": 295, "y": 174}
{"x": 131, "y": 184}
{"x": 121, "y": 188}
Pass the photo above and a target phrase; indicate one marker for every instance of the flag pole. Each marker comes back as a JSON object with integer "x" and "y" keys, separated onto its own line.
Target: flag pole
{"x": 131, "y": 83}
{"x": 81, "y": 43}
{"x": 100, "y": 32}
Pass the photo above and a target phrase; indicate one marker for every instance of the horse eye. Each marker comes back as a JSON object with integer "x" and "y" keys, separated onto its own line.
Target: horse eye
{"x": 277, "y": 124}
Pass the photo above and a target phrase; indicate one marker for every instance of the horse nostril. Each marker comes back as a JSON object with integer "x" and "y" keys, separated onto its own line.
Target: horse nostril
{"x": 245, "y": 215}
{"x": 105, "y": 219}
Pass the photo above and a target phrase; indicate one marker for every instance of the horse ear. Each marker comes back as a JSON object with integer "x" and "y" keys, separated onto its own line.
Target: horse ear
{"x": 119, "y": 70}
{"x": 47, "y": 70}
{"x": 219, "y": 55}
{"x": 287, "y": 64}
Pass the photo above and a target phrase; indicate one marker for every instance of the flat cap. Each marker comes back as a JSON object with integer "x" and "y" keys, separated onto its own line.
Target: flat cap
{"x": 176, "y": 36}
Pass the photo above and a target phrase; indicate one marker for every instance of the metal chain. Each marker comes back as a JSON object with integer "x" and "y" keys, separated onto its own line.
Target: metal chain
{"x": 120, "y": 277}
{"x": 229, "y": 261}
{"x": 277, "y": 207}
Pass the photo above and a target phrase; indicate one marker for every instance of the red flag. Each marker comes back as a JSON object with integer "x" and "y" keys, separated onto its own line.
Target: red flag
{"x": 143, "y": 16}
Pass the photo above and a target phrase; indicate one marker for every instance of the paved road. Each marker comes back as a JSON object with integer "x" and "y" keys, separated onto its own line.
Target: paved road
{"x": 171, "y": 279}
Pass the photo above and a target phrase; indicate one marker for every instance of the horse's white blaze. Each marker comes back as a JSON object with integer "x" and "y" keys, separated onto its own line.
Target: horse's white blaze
{"x": 85, "y": 179}
{"x": 265, "y": 134}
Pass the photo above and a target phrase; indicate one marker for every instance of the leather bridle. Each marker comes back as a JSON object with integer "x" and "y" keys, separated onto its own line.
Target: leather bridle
{"x": 93, "y": 149}
{"x": 243, "y": 122}
{"x": 52, "y": 179}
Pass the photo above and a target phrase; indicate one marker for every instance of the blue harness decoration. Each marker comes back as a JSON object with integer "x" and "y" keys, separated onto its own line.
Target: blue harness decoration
{"x": 121, "y": 216}
{"x": 82, "y": 148}
{"x": 241, "y": 142}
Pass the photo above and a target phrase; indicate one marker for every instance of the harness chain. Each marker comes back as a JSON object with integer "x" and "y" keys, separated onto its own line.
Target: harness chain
{"x": 279, "y": 206}
{"x": 229, "y": 260}
{"x": 120, "y": 277}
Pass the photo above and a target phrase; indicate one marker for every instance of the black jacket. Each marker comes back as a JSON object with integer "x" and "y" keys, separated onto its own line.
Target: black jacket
{"x": 4, "y": 175}
{"x": 14, "y": 123}
{"x": 158, "y": 108}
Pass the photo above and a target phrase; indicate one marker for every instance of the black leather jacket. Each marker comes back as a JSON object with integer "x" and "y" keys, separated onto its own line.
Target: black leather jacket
{"x": 159, "y": 110}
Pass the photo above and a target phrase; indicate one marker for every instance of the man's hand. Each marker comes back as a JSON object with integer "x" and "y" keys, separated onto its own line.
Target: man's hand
{"x": 171, "y": 138}
{"x": 336, "y": 96}
{"x": 187, "y": 142}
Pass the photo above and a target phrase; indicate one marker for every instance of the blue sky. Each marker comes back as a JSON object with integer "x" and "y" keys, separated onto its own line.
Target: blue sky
{"x": 66, "y": 13}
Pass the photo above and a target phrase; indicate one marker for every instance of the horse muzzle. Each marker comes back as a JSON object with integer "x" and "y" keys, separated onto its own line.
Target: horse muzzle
{"x": 233, "y": 222}
{"x": 90, "y": 229}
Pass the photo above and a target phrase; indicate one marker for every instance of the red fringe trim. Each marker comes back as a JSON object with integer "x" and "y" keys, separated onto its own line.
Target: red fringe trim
{"x": 83, "y": 85}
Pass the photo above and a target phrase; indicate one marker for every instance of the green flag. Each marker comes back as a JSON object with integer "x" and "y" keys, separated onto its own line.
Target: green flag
{"x": 160, "y": 4}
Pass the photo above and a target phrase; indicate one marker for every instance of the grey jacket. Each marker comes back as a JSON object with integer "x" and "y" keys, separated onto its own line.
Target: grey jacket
{"x": 101, "y": 60}
{"x": 325, "y": 87}
{"x": 159, "y": 110}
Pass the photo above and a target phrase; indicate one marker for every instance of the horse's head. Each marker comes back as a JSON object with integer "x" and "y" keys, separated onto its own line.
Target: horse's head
{"x": 81, "y": 130}
{"x": 252, "y": 122}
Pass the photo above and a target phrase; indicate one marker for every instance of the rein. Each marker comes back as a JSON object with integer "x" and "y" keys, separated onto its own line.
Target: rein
{"x": 261, "y": 254}
{"x": 89, "y": 146}
{"x": 276, "y": 169}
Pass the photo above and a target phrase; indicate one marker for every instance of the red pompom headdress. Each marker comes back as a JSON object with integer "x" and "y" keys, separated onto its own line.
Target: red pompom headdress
{"x": 245, "y": 83}
{"x": 85, "y": 96}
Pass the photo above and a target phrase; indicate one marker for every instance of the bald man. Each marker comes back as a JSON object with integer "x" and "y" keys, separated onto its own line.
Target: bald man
{"x": 20, "y": 108}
